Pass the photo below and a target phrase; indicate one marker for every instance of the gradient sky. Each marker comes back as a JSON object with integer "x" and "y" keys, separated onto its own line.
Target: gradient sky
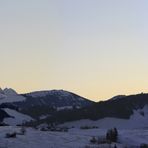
{"x": 96, "y": 48}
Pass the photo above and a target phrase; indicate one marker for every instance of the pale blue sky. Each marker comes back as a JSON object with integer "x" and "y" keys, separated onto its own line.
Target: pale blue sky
{"x": 96, "y": 48}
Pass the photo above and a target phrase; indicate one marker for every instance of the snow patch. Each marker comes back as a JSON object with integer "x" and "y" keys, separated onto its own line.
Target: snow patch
{"x": 17, "y": 118}
{"x": 64, "y": 107}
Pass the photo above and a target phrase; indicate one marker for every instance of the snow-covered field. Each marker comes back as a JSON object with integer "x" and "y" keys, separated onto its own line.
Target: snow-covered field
{"x": 139, "y": 119}
{"x": 74, "y": 138}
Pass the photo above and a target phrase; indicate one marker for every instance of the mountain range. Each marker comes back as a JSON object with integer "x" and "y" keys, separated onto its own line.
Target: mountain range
{"x": 60, "y": 106}
{"x": 39, "y": 104}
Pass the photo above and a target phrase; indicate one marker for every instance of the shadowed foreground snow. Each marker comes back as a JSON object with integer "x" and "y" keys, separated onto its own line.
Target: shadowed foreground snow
{"x": 75, "y": 138}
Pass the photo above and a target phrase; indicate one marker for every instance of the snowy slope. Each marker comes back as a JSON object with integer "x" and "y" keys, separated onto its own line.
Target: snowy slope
{"x": 139, "y": 119}
{"x": 17, "y": 118}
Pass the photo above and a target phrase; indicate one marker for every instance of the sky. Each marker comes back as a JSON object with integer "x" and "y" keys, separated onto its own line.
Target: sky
{"x": 95, "y": 48}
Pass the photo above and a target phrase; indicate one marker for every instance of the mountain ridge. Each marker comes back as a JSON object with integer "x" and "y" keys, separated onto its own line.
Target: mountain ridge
{"x": 63, "y": 106}
{"x": 41, "y": 103}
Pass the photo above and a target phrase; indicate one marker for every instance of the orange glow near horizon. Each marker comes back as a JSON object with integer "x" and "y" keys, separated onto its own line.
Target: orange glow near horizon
{"x": 97, "y": 49}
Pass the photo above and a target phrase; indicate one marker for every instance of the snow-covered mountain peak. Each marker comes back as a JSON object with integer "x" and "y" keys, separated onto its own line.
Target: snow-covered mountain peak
{"x": 10, "y": 95}
{"x": 9, "y": 91}
{"x": 1, "y": 91}
{"x": 57, "y": 98}
{"x": 60, "y": 94}
{"x": 49, "y": 92}
{"x": 2, "y": 95}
